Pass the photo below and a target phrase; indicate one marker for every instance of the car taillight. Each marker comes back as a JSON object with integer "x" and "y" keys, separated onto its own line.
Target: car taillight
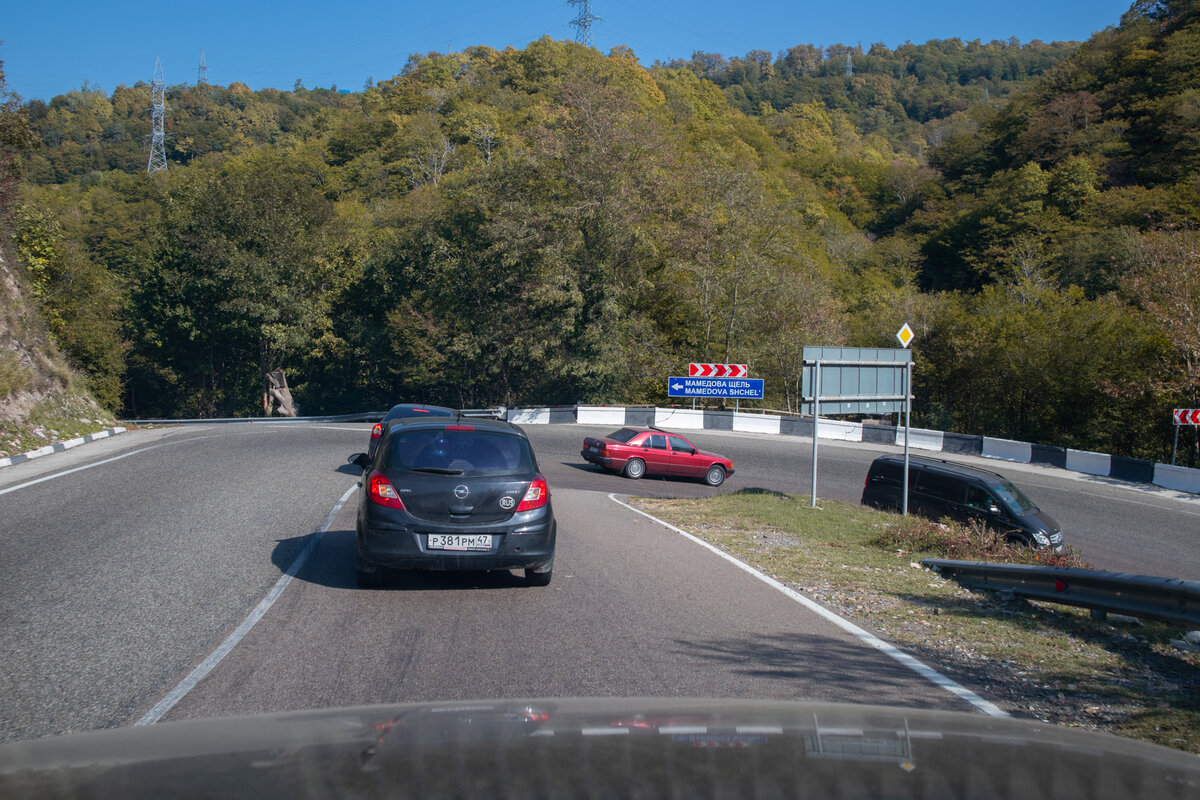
{"x": 460, "y": 427}
{"x": 604, "y": 450}
{"x": 381, "y": 491}
{"x": 536, "y": 496}
{"x": 377, "y": 431}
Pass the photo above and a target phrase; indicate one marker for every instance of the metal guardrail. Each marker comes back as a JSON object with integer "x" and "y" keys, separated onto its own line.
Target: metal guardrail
{"x": 366, "y": 416}
{"x": 1169, "y": 600}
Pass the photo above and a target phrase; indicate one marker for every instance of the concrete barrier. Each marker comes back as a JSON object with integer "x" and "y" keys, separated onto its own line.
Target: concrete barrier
{"x": 921, "y": 439}
{"x": 601, "y": 415}
{"x": 1089, "y": 463}
{"x": 795, "y": 426}
{"x": 1138, "y": 470}
{"x": 879, "y": 434}
{"x": 842, "y": 431}
{"x": 692, "y": 419}
{"x": 962, "y": 443}
{"x": 1006, "y": 450}
{"x": 755, "y": 423}
{"x": 639, "y": 417}
{"x": 1184, "y": 479}
{"x": 1047, "y": 454}
{"x": 1130, "y": 469}
{"x": 529, "y": 416}
{"x": 718, "y": 420}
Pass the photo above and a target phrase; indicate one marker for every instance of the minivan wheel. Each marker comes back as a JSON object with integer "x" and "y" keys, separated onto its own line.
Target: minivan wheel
{"x": 715, "y": 475}
{"x": 635, "y": 468}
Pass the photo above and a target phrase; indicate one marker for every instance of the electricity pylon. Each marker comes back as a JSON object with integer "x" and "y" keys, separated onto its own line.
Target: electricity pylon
{"x": 158, "y": 110}
{"x": 583, "y": 21}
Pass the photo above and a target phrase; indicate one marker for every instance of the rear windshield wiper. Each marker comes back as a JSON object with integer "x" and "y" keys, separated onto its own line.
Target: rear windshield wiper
{"x": 438, "y": 470}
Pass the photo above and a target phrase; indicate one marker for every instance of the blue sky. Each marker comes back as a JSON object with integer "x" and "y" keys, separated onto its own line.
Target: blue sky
{"x": 51, "y": 48}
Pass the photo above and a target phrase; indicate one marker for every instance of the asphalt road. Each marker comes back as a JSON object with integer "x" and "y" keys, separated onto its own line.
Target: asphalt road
{"x": 1117, "y": 526}
{"x": 123, "y": 575}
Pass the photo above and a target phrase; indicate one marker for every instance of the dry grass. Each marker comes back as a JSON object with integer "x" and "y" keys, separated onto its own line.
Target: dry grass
{"x": 1049, "y": 662}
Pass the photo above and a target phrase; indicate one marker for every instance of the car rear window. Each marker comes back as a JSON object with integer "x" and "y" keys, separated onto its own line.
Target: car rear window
{"x": 473, "y": 452}
{"x": 417, "y": 411}
{"x": 623, "y": 435}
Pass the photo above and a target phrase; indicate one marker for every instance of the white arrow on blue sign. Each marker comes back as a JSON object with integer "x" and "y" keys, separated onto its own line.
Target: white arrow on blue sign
{"x": 742, "y": 388}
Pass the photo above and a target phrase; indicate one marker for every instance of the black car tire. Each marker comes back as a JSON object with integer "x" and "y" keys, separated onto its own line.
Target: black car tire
{"x": 634, "y": 468}
{"x": 535, "y": 578}
{"x": 715, "y": 475}
{"x": 367, "y": 578}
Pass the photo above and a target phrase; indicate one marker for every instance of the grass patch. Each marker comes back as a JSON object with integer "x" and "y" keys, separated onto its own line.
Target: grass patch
{"x": 1054, "y": 663}
{"x": 14, "y": 375}
{"x": 55, "y": 419}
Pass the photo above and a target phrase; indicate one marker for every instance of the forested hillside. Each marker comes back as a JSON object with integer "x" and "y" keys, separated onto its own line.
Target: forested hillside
{"x": 554, "y": 225}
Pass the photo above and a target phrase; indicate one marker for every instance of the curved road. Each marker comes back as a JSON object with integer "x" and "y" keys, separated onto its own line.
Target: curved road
{"x": 128, "y": 560}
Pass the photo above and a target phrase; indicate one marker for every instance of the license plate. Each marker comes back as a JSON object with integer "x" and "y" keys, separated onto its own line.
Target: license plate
{"x": 457, "y": 541}
{"x": 592, "y": 448}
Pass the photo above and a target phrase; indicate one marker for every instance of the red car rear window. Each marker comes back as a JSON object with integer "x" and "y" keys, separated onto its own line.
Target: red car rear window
{"x": 623, "y": 435}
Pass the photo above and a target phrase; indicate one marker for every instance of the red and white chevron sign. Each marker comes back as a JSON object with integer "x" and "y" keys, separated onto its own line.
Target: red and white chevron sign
{"x": 718, "y": 370}
{"x": 1187, "y": 416}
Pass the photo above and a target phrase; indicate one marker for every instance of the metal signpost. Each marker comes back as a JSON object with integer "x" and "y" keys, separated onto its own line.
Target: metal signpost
{"x": 1183, "y": 416}
{"x": 856, "y": 380}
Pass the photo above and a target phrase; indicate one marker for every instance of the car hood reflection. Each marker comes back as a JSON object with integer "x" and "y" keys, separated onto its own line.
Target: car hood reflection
{"x": 599, "y": 748}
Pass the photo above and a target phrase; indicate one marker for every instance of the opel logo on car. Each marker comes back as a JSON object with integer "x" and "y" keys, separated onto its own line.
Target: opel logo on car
{"x": 461, "y": 492}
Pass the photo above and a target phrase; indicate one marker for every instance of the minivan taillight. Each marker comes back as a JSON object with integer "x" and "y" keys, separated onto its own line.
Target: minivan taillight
{"x": 381, "y": 491}
{"x": 536, "y": 496}
{"x": 377, "y": 431}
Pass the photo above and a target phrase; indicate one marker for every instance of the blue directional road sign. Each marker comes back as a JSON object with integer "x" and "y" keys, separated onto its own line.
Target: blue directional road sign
{"x": 743, "y": 388}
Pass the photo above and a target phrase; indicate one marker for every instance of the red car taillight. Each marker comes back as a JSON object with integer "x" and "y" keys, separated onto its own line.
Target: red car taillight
{"x": 381, "y": 491}
{"x": 377, "y": 431}
{"x": 536, "y": 496}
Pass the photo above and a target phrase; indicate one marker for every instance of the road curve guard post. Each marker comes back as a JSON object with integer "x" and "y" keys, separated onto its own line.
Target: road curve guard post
{"x": 856, "y": 380}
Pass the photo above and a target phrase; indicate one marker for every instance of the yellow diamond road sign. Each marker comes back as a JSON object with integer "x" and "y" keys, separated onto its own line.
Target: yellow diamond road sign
{"x": 905, "y": 335}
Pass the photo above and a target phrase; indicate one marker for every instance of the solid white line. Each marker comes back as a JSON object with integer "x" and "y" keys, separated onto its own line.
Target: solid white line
{"x": 870, "y": 639}
{"x": 101, "y": 463}
{"x": 198, "y": 674}
{"x": 80, "y": 469}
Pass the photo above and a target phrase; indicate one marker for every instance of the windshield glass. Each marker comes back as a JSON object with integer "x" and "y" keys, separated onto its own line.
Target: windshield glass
{"x": 1014, "y": 498}
{"x": 623, "y": 435}
{"x": 474, "y": 452}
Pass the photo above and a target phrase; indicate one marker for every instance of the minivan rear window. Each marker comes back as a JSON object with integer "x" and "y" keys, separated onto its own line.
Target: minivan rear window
{"x": 466, "y": 452}
{"x": 1014, "y": 498}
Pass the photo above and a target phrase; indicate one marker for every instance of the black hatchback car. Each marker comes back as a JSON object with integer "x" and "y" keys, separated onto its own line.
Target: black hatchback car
{"x": 454, "y": 494}
{"x": 938, "y": 488}
{"x": 404, "y": 411}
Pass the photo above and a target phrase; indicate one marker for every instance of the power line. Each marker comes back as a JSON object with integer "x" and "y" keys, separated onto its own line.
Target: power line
{"x": 158, "y": 110}
{"x": 583, "y": 21}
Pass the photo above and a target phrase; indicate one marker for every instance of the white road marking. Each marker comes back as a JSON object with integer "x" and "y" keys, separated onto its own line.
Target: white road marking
{"x": 198, "y": 674}
{"x": 99, "y": 463}
{"x": 870, "y": 639}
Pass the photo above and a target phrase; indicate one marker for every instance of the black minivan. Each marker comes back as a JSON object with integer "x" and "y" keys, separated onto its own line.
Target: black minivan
{"x": 939, "y": 488}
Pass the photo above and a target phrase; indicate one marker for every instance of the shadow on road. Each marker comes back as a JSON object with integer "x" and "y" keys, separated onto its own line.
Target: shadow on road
{"x": 332, "y": 564}
{"x": 813, "y": 660}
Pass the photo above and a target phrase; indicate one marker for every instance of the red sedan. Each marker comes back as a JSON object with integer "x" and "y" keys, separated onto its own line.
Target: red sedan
{"x": 635, "y": 452}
